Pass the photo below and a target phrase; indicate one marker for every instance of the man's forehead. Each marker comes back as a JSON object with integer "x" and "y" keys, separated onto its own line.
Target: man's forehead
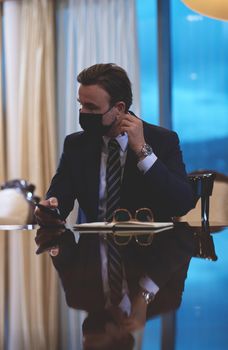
{"x": 92, "y": 93}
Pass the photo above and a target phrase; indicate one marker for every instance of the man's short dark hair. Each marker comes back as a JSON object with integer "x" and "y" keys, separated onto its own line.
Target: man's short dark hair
{"x": 110, "y": 77}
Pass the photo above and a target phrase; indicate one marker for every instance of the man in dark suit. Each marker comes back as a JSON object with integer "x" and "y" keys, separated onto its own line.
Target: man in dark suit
{"x": 153, "y": 173}
{"x": 151, "y": 170}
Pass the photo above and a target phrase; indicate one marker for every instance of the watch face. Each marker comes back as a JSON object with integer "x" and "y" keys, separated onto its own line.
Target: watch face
{"x": 147, "y": 150}
{"x": 148, "y": 297}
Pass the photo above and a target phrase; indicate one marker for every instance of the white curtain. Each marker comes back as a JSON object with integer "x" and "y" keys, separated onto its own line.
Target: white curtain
{"x": 9, "y": 141}
{"x": 31, "y": 150}
{"x": 2, "y": 121}
{"x": 11, "y": 11}
{"x": 37, "y": 125}
{"x": 89, "y": 32}
{"x": 2, "y": 179}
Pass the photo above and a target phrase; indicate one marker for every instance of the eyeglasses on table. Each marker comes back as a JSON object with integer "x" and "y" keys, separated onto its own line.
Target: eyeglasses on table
{"x": 141, "y": 215}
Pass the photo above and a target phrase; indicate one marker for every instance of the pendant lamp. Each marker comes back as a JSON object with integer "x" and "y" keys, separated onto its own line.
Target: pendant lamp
{"x": 217, "y": 9}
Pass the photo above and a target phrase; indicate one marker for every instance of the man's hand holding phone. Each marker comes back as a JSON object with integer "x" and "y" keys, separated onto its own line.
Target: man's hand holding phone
{"x": 47, "y": 213}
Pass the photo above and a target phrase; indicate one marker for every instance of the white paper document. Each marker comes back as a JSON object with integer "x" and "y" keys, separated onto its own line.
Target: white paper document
{"x": 126, "y": 225}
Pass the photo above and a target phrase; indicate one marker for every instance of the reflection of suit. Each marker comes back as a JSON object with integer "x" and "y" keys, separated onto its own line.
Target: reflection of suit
{"x": 165, "y": 261}
{"x": 164, "y": 187}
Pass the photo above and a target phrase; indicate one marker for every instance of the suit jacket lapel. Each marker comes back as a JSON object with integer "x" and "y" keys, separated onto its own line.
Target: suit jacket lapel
{"x": 131, "y": 173}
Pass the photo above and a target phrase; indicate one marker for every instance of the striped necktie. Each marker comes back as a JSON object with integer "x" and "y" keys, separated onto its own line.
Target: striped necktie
{"x": 113, "y": 178}
{"x": 113, "y": 182}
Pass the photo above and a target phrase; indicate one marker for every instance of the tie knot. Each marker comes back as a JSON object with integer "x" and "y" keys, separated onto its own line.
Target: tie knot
{"x": 113, "y": 145}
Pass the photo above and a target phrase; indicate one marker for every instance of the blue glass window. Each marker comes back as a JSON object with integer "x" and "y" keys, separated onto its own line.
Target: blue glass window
{"x": 200, "y": 88}
{"x": 146, "y": 12}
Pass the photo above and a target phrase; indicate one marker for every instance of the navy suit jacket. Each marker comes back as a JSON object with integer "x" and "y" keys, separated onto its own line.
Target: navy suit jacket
{"x": 164, "y": 188}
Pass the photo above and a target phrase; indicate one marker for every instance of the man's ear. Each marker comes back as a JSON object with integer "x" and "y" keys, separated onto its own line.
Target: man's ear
{"x": 120, "y": 106}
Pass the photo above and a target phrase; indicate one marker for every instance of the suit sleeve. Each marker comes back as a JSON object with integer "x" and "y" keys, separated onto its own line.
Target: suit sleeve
{"x": 62, "y": 183}
{"x": 167, "y": 181}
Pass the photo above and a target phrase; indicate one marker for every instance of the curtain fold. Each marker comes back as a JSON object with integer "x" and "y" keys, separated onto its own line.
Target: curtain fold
{"x": 3, "y": 288}
{"x": 12, "y": 41}
{"x": 2, "y": 122}
{"x": 31, "y": 154}
{"x": 37, "y": 128}
{"x": 2, "y": 179}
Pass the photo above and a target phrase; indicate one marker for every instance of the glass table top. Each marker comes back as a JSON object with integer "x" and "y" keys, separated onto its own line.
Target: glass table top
{"x": 53, "y": 287}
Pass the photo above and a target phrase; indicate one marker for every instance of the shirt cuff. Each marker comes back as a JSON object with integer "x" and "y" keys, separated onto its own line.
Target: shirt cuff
{"x": 147, "y": 284}
{"x": 145, "y": 164}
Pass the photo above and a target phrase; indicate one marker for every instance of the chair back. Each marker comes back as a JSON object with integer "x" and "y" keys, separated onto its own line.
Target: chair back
{"x": 212, "y": 189}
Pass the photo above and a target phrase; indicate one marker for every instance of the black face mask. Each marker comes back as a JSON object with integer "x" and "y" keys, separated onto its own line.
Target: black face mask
{"x": 92, "y": 123}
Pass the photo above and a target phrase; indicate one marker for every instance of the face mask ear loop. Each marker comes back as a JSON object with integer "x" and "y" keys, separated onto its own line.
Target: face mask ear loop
{"x": 107, "y": 110}
{"x": 106, "y": 113}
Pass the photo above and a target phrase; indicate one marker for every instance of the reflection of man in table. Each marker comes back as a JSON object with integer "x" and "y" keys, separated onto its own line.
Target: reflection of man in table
{"x": 165, "y": 262}
{"x": 103, "y": 330}
{"x": 118, "y": 161}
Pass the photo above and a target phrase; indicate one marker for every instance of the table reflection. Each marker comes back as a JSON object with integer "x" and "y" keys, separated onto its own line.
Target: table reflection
{"x": 165, "y": 260}
{"x": 30, "y": 305}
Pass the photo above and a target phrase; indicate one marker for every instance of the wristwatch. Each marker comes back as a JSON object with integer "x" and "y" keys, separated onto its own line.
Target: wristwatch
{"x": 147, "y": 296}
{"x": 145, "y": 151}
